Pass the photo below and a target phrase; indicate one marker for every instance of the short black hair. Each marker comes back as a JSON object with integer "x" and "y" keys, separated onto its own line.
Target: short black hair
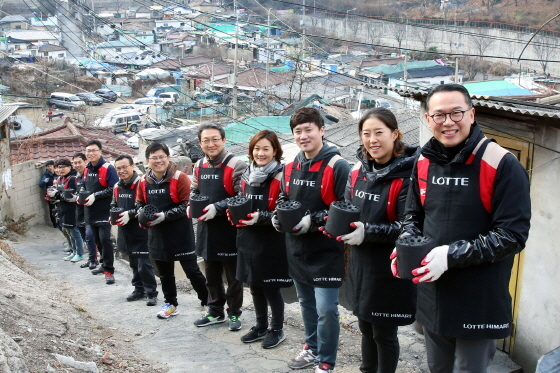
{"x": 306, "y": 115}
{"x": 79, "y": 155}
{"x": 63, "y": 162}
{"x": 450, "y": 87}
{"x": 124, "y": 156}
{"x": 211, "y": 126}
{"x": 94, "y": 142}
{"x": 50, "y": 162}
{"x": 154, "y": 147}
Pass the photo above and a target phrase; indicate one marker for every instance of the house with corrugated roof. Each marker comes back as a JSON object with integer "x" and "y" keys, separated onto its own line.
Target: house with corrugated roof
{"x": 27, "y": 42}
{"x": 50, "y": 51}
{"x": 15, "y": 22}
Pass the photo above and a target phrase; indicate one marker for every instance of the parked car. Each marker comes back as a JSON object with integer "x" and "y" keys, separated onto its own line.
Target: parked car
{"x": 133, "y": 142}
{"x": 64, "y": 100}
{"x": 170, "y": 98}
{"x": 106, "y": 94}
{"x": 90, "y": 98}
{"x": 142, "y": 109}
{"x": 150, "y": 101}
{"x": 127, "y": 120}
{"x": 382, "y": 103}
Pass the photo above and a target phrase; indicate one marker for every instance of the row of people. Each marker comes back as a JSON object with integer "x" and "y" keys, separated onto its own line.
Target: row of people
{"x": 461, "y": 189}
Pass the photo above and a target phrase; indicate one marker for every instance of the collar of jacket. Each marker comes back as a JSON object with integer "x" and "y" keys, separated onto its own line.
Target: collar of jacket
{"x": 399, "y": 166}
{"x": 219, "y": 159}
{"x": 170, "y": 172}
{"x": 96, "y": 167}
{"x": 72, "y": 172}
{"x": 430, "y": 151}
{"x": 123, "y": 184}
{"x": 326, "y": 151}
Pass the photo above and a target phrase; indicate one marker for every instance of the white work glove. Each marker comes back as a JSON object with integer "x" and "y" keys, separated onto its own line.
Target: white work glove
{"x": 52, "y": 192}
{"x": 73, "y": 199}
{"x": 435, "y": 263}
{"x": 125, "y": 217}
{"x": 89, "y": 200}
{"x": 303, "y": 226}
{"x": 275, "y": 223}
{"x": 210, "y": 213}
{"x": 356, "y": 237}
{"x": 394, "y": 268}
{"x": 46, "y": 180}
{"x": 188, "y": 212}
{"x": 159, "y": 219}
{"x": 254, "y": 217}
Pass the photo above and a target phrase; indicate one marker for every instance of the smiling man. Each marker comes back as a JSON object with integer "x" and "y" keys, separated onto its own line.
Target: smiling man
{"x": 170, "y": 235}
{"x": 471, "y": 196}
{"x": 132, "y": 239}
{"x": 100, "y": 176}
{"x": 218, "y": 176}
{"x": 316, "y": 178}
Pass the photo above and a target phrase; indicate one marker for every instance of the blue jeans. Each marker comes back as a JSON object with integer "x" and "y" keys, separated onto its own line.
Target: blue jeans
{"x": 76, "y": 239}
{"x": 319, "y": 310}
{"x": 91, "y": 245}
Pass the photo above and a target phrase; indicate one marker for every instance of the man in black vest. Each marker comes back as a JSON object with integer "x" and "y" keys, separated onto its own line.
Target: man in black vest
{"x": 315, "y": 178}
{"x": 471, "y": 196}
{"x": 132, "y": 239}
{"x": 47, "y": 181}
{"x": 218, "y": 176}
{"x": 99, "y": 181}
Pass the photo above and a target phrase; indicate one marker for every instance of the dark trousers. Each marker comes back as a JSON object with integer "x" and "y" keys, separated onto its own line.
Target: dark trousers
{"x": 52, "y": 215}
{"x": 168, "y": 285}
{"x": 90, "y": 244}
{"x": 197, "y": 279}
{"x": 218, "y": 296}
{"x": 380, "y": 347}
{"x": 102, "y": 236}
{"x": 453, "y": 355}
{"x": 262, "y": 297}
{"x": 143, "y": 278}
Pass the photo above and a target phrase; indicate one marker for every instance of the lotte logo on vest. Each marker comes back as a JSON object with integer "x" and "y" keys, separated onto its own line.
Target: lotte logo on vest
{"x": 453, "y": 181}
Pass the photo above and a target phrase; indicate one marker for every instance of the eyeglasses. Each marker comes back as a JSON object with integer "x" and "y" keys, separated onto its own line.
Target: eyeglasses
{"x": 159, "y": 158}
{"x": 214, "y": 141}
{"x": 455, "y": 116}
{"x": 123, "y": 167}
{"x": 92, "y": 150}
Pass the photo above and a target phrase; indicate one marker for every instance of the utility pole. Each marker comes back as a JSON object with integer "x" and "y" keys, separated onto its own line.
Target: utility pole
{"x": 303, "y": 25}
{"x": 267, "y": 53}
{"x": 456, "y": 70}
{"x": 234, "y": 91}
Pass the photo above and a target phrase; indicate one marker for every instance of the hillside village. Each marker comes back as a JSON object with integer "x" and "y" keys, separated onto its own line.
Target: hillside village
{"x": 129, "y": 74}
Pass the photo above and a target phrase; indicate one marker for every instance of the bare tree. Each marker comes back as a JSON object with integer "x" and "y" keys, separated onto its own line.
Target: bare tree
{"x": 481, "y": 43}
{"x": 509, "y": 50}
{"x": 398, "y": 32}
{"x": 472, "y": 66}
{"x": 545, "y": 50}
{"x": 424, "y": 36}
{"x": 374, "y": 31}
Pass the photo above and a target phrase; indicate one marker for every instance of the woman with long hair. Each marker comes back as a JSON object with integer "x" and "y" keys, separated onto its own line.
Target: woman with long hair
{"x": 378, "y": 184}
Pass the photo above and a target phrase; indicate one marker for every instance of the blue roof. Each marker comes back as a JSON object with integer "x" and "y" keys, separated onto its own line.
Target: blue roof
{"x": 496, "y": 88}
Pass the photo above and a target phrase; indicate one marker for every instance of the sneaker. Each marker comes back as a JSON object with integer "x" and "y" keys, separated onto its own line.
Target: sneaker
{"x": 85, "y": 265}
{"x": 305, "y": 359}
{"x": 109, "y": 278}
{"x": 167, "y": 310}
{"x": 98, "y": 270}
{"x": 208, "y": 319}
{"x": 255, "y": 334}
{"x": 69, "y": 257}
{"x": 152, "y": 301}
{"x": 93, "y": 265}
{"x": 77, "y": 258}
{"x": 135, "y": 296}
{"x": 234, "y": 323}
{"x": 323, "y": 368}
{"x": 273, "y": 338}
